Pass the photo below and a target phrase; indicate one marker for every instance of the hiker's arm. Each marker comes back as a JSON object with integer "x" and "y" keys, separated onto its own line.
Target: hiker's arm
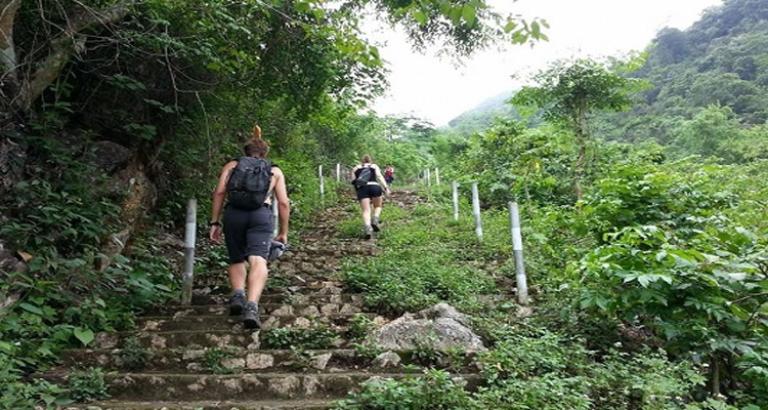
{"x": 352, "y": 173}
{"x": 380, "y": 177}
{"x": 283, "y": 206}
{"x": 218, "y": 200}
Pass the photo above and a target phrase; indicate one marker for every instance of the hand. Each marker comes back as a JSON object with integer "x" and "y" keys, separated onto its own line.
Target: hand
{"x": 215, "y": 234}
{"x": 282, "y": 238}
{"x": 388, "y": 192}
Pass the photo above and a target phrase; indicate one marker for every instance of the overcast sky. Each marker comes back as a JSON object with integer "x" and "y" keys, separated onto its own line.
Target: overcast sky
{"x": 435, "y": 89}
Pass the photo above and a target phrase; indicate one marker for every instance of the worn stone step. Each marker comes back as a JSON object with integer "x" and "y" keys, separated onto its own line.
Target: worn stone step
{"x": 235, "y": 323}
{"x": 207, "y": 405}
{"x": 280, "y": 293}
{"x": 198, "y": 360}
{"x": 282, "y": 298}
{"x": 246, "y": 386}
{"x": 289, "y": 308}
{"x": 194, "y": 339}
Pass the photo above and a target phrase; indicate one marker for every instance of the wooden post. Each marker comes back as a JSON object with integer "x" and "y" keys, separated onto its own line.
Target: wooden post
{"x": 429, "y": 178}
{"x": 455, "y": 191}
{"x": 476, "y": 212}
{"x": 187, "y": 276}
{"x": 322, "y": 181}
{"x": 437, "y": 176}
{"x": 517, "y": 249}
{"x": 338, "y": 173}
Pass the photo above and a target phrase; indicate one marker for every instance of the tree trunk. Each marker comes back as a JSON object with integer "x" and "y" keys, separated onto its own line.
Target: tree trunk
{"x": 581, "y": 140}
{"x": 714, "y": 375}
{"x": 9, "y": 80}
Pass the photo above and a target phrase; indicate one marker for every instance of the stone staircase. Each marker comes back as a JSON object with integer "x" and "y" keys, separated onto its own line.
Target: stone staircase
{"x": 197, "y": 357}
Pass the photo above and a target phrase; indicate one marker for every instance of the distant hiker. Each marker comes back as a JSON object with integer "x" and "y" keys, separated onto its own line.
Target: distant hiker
{"x": 389, "y": 174}
{"x": 248, "y": 184}
{"x": 370, "y": 186}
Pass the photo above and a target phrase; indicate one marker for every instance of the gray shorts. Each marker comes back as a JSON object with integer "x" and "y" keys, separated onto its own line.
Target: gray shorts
{"x": 247, "y": 233}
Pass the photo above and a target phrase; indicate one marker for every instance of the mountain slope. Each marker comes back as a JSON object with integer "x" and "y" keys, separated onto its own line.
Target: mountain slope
{"x": 720, "y": 60}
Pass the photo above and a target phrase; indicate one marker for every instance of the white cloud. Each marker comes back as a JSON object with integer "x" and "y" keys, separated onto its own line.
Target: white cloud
{"x": 435, "y": 89}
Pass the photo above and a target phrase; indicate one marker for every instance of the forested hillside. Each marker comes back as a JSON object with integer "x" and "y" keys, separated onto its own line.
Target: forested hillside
{"x": 714, "y": 72}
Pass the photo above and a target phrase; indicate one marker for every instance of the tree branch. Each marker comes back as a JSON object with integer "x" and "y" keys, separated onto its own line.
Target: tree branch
{"x": 64, "y": 46}
{"x": 8, "y": 11}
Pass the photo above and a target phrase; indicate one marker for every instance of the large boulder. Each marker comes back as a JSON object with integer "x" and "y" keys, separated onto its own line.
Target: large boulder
{"x": 442, "y": 327}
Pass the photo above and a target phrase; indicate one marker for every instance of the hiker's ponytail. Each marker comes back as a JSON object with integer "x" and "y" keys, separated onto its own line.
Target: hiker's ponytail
{"x": 256, "y": 147}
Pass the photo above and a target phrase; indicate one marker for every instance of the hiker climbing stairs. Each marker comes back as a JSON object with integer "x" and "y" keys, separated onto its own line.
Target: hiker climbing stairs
{"x": 305, "y": 356}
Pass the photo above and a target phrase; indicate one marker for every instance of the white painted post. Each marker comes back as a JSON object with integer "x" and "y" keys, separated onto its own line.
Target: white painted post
{"x": 338, "y": 173}
{"x": 517, "y": 249}
{"x": 476, "y": 212}
{"x": 322, "y": 181}
{"x": 437, "y": 176}
{"x": 429, "y": 178}
{"x": 187, "y": 275}
{"x": 275, "y": 216}
{"x": 455, "y": 189}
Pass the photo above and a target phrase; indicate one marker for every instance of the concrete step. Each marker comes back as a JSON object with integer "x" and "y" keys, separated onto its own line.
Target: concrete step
{"x": 247, "y": 386}
{"x": 207, "y": 405}
{"x": 198, "y": 360}
{"x": 235, "y": 323}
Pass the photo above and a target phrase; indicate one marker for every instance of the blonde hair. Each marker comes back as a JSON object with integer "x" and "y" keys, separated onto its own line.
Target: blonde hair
{"x": 367, "y": 159}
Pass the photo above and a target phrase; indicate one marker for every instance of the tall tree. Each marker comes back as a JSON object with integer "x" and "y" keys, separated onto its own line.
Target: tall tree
{"x": 568, "y": 92}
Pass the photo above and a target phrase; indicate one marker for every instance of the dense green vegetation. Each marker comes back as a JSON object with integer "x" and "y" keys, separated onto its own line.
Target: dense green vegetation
{"x": 647, "y": 261}
{"x": 113, "y": 113}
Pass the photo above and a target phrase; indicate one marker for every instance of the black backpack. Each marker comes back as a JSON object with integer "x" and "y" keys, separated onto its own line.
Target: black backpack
{"x": 363, "y": 177}
{"x": 248, "y": 186}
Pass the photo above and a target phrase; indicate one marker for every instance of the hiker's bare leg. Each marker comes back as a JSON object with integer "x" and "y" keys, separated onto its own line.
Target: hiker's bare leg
{"x": 378, "y": 204}
{"x": 365, "y": 205}
{"x": 237, "y": 275}
{"x": 257, "y": 277}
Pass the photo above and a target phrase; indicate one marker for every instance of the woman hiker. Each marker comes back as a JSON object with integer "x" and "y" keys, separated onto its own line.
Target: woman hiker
{"x": 247, "y": 185}
{"x": 370, "y": 186}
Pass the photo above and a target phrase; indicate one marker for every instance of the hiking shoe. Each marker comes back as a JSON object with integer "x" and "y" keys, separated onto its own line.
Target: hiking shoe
{"x": 368, "y": 232}
{"x": 251, "y": 316}
{"x": 375, "y": 224}
{"x": 236, "y": 303}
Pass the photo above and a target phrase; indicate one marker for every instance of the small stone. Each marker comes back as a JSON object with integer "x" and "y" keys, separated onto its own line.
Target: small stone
{"x": 320, "y": 361}
{"x": 233, "y": 363}
{"x": 233, "y": 385}
{"x": 310, "y": 311}
{"x": 284, "y": 310}
{"x": 285, "y": 386}
{"x": 151, "y": 325}
{"x": 523, "y": 312}
{"x": 311, "y": 385}
{"x": 105, "y": 340}
{"x": 193, "y": 354}
{"x": 195, "y": 367}
{"x": 256, "y": 361}
{"x": 271, "y": 323}
{"x": 386, "y": 360}
{"x": 302, "y": 323}
{"x": 157, "y": 342}
{"x": 294, "y": 289}
{"x": 349, "y": 309}
{"x": 329, "y": 309}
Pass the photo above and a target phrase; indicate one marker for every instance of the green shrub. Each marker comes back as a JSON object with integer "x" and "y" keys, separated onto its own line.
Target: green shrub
{"x": 316, "y": 337}
{"x": 434, "y": 390}
{"x": 87, "y": 385}
{"x": 549, "y": 391}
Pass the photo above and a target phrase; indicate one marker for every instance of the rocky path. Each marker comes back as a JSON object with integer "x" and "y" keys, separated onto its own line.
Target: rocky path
{"x": 304, "y": 357}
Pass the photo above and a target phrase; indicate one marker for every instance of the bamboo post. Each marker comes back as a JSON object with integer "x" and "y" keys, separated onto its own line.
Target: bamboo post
{"x": 187, "y": 276}
{"x": 322, "y": 181}
{"x": 476, "y": 212}
{"x": 429, "y": 178}
{"x": 437, "y": 176}
{"x": 338, "y": 173}
{"x": 455, "y": 192}
{"x": 517, "y": 249}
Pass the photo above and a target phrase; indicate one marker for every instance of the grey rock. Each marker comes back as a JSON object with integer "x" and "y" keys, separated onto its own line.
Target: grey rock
{"x": 256, "y": 361}
{"x": 108, "y": 156}
{"x": 320, "y": 361}
{"x": 386, "y": 360}
{"x": 442, "y": 327}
